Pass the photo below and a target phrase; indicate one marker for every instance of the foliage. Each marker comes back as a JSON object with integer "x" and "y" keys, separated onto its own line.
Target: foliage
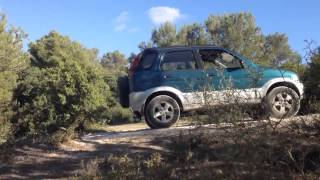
{"x": 12, "y": 60}
{"x": 5, "y": 130}
{"x": 143, "y": 45}
{"x": 193, "y": 34}
{"x": 278, "y": 51}
{"x": 63, "y": 87}
{"x": 311, "y": 80}
{"x": 237, "y": 32}
{"x": 165, "y": 35}
{"x": 312, "y": 77}
{"x": 118, "y": 114}
{"x": 131, "y": 57}
{"x": 115, "y": 65}
{"x": 89, "y": 171}
{"x": 114, "y": 60}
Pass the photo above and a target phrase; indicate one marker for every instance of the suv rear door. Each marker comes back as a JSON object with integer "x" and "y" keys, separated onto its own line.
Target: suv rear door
{"x": 145, "y": 75}
{"x": 180, "y": 70}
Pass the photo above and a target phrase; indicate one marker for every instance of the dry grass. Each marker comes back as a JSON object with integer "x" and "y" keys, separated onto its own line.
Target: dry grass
{"x": 269, "y": 150}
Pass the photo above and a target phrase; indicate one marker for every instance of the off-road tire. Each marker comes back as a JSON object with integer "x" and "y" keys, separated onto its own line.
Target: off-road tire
{"x": 282, "y": 102}
{"x": 162, "y": 112}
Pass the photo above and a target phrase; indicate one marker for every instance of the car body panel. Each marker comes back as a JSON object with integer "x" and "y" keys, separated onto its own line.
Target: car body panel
{"x": 197, "y": 99}
{"x": 198, "y": 88}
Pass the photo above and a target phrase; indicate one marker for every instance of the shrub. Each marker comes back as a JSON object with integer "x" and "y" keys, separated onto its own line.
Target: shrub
{"x": 312, "y": 75}
{"x": 5, "y": 130}
{"x": 311, "y": 80}
{"x": 117, "y": 115}
{"x": 89, "y": 171}
{"x": 62, "y": 89}
{"x": 12, "y": 60}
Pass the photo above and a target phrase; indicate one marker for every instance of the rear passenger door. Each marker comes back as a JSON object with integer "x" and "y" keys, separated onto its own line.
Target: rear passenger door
{"x": 180, "y": 70}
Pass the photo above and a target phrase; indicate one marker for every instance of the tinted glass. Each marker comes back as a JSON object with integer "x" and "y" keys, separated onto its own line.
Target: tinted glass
{"x": 182, "y": 60}
{"x": 147, "y": 60}
{"x": 216, "y": 59}
{"x": 208, "y": 58}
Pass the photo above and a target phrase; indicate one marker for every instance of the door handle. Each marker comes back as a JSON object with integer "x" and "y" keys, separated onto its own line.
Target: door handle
{"x": 165, "y": 76}
{"x": 210, "y": 75}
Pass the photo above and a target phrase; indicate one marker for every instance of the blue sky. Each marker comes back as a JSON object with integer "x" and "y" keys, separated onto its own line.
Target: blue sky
{"x": 120, "y": 25}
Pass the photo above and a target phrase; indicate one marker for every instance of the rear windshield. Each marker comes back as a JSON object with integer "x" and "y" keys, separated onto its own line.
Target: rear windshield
{"x": 147, "y": 60}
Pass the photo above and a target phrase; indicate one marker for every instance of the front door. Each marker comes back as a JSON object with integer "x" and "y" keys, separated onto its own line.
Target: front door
{"x": 228, "y": 79}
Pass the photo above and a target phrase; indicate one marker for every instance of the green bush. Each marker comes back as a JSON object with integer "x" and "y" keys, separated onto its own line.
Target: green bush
{"x": 311, "y": 80}
{"x": 117, "y": 115}
{"x": 61, "y": 89}
{"x": 5, "y": 130}
{"x": 12, "y": 60}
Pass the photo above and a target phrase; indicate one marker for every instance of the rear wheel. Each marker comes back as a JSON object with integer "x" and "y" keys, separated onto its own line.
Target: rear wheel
{"x": 162, "y": 112}
{"x": 282, "y": 102}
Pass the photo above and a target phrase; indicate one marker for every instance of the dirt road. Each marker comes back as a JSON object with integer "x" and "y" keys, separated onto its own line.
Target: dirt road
{"x": 37, "y": 162}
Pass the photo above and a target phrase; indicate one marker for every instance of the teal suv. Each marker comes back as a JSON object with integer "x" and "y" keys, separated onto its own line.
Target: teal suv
{"x": 164, "y": 82}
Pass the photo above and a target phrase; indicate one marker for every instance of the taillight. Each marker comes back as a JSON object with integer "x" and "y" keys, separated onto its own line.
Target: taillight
{"x": 134, "y": 65}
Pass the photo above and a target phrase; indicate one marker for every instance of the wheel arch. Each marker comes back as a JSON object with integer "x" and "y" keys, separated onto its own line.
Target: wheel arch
{"x": 286, "y": 84}
{"x": 168, "y": 93}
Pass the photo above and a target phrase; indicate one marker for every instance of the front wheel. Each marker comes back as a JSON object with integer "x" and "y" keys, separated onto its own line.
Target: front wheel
{"x": 282, "y": 102}
{"x": 162, "y": 112}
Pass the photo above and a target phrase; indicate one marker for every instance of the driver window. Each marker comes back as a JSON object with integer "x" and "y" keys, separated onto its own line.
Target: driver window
{"x": 213, "y": 59}
{"x": 230, "y": 61}
{"x": 208, "y": 58}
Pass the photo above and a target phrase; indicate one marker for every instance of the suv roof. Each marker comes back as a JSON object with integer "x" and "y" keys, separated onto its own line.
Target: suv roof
{"x": 182, "y": 47}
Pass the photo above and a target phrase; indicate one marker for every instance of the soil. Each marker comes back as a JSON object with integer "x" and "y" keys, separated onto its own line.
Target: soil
{"x": 37, "y": 161}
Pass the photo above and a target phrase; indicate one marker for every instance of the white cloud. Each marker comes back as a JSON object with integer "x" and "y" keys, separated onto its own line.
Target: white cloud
{"x": 120, "y": 27}
{"x": 121, "y": 21}
{"x": 161, "y": 14}
{"x": 134, "y": 29}
{"x": 123, "y": 17}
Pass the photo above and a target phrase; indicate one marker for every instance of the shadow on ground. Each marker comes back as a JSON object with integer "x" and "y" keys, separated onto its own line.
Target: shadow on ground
{"x": 37, "y": 162}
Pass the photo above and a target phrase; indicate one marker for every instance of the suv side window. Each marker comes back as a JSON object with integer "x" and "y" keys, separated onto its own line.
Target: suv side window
{"x": 147, "y": 60}
{"x": 179, "y": 60}
{"x": 213, "y": 59}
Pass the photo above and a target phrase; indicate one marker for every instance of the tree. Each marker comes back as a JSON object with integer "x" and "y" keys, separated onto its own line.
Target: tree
{"x": 62, "y": 89}
{"x": 277, "y": 52}
{"x": 194, "y": 34}
{"x": 12, "y": 60}
{"x": 115, "y": 65}
{"x": 143, "y": 45}
{"x": 114, "y": 60}
{"x": 131, "y": 57}
{"x": 312, "y": 75}
{"x": 237, "y": 32}
{"x": 165, "y": 35}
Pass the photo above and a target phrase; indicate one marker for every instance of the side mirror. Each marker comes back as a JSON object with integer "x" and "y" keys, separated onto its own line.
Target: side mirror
{"x": 243, "y": 64}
